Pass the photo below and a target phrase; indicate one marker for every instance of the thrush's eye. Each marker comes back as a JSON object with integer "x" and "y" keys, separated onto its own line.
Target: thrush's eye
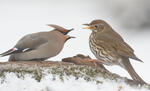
{"x": 96, "y": 26}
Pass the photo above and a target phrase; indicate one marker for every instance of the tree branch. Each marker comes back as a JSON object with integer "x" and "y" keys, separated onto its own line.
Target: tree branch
{"x": 75, "y": 66}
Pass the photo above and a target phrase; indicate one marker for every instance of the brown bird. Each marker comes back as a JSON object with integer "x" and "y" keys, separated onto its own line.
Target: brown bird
{"x": 39, "y": 46}
{"x": 109, "y": 47}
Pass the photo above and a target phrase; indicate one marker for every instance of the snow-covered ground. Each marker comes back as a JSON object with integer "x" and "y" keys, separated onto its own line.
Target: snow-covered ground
{"x": 69, "y": 83}
{"x": 21, "y": 17}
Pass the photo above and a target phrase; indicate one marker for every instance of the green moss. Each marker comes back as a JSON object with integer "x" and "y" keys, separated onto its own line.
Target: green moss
{"x": 37, "y": 75}
{"x": 85, "y": 72}
{"x": 61, "y": 72}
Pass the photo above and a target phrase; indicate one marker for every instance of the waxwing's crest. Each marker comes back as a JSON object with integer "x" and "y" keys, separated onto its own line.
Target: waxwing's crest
{"x": 61, "y": 29}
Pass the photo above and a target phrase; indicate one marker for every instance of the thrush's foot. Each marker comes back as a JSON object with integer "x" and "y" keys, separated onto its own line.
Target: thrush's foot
{"x": 120, "y": 87}
{"x": 94, "y": 61}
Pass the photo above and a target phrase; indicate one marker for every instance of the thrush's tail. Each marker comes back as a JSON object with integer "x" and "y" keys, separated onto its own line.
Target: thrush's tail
{"x": 11, "y": 51}
{"x": 131, "y": 71}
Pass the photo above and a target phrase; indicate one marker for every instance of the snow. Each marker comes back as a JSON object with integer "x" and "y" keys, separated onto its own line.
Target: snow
{"x": 13, "y": 83}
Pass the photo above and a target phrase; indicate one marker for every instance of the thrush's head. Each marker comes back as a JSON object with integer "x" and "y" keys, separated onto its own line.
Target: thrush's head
{"x": 67, "y": 37}
{"x": 61, "y": 29}
{"x": 97, "y": 25}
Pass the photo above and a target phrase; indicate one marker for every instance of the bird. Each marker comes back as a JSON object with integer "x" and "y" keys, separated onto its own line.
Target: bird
{"x": 60, "y": 29}
{"x": 39, "y": 46}
{"x": 110, "y": 48}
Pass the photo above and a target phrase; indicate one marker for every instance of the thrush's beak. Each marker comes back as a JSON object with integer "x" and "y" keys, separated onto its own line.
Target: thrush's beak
{"x": 86, "y": 24}
{"x": 89, "y": 27}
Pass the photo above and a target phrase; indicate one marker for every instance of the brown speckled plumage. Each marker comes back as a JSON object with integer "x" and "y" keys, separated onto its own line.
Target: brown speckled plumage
{"x": 109, "y": 47}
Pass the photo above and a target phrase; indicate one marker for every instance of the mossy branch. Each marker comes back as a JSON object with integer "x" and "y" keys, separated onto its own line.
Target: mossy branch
{"x": 77, "y": 66}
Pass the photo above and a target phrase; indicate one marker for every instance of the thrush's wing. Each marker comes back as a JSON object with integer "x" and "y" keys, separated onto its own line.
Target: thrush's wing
{"x": 27, "y": 43}
{"x": 125, "y": 50}
{"x": 117, "y": 46}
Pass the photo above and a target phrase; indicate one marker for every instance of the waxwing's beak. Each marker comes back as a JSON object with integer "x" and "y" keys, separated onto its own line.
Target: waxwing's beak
{"x": 68, "y": 31}
{"x": 70, "y": 37}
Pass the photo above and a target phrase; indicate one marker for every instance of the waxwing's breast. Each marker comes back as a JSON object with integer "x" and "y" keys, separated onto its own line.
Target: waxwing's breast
{"x": 54, "y": 45}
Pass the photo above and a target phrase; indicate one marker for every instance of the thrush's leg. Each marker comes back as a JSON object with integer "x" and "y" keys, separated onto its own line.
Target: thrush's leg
{"x": 94, "y": 61}
{"x": 120, "y": 87}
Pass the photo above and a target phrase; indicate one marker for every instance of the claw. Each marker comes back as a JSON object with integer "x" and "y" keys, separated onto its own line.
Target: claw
{"x": 93, "y": 61}
{"x": 120, "y": 87}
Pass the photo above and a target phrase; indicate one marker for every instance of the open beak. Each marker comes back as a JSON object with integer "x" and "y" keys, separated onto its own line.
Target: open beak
{"x": 69, "y": 37}
{"x": 72, "y": 37}
{"x": 69, "y": 31}
{"x": 88, "y": 26}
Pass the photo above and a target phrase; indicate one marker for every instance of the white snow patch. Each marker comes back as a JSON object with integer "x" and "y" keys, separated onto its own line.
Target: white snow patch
{"x": 13, "y": 83}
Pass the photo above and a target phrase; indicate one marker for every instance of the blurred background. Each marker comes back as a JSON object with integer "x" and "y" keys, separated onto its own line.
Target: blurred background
{"x": 130, "y": 18}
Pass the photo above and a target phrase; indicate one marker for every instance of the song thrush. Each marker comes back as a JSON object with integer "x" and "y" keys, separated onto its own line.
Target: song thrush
{"x": 110, "y": 48}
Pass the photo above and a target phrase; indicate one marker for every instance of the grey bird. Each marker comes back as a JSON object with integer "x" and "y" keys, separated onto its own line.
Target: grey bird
{"x": 39, "y": 46}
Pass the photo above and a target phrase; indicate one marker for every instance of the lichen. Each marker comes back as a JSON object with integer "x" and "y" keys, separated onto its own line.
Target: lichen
{"x": 61, "y": 71}
{"x": 85, "y": 72}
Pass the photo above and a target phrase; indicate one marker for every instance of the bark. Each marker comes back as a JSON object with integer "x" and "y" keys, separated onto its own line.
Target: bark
{"x": 75, "y": 66}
